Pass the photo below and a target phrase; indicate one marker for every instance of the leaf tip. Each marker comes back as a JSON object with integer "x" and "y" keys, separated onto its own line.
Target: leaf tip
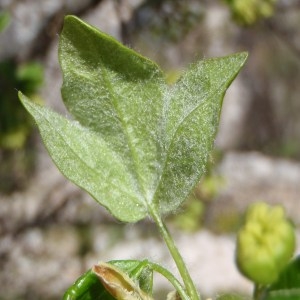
{"x": 70, "y": 18}
{"x": 243, "y": 56}
{"x": 20, "y": 94}
{"x": 22, "y": 98}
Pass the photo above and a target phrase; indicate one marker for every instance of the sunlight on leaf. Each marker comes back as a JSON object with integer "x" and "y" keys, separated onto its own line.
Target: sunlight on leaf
{"x": 137, "y": 144}
{"x": 87, "y": 160}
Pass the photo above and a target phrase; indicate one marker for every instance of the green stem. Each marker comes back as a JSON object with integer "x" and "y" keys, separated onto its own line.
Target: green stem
{"x": 172, "y": 279}
{"x": 258, "y": 292}
{"x": 188, "y": 282}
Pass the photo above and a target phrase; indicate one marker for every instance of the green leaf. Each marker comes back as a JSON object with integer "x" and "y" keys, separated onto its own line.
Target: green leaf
{"x": 139, "y": 271}
{"x": 117, "y": 93}
{"x": 232, "y": 297}
{"x": 89, "y": 287}
{"x": 287, "y": 287}
{"x": 75, "y": 150}
{"x": 139, "y": 145}
{"x": 118, "y": 283}
{"x": 4, "y": 20}
{"x": 193, "y": 108}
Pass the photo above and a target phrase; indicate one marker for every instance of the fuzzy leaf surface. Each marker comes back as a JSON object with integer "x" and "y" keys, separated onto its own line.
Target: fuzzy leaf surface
{"x": 137, "y": 145}
{"x": 86, "y": 159}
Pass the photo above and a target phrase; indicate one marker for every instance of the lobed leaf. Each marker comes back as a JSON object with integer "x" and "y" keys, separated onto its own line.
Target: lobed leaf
{"x": 138, "y": 145}
{"x": 87, "y": 160}
{"x": 192, "y": 117}
{"x": 116, "y": 92}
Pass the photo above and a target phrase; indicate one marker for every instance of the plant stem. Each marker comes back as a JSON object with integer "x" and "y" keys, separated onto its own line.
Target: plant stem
{"x": 259, "y": 292}
{"x": 188, "y": 282}
{"x": 172, "y": 279}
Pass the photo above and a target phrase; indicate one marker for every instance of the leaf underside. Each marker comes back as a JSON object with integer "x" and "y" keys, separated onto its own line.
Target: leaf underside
{"x": 135, "y": 144}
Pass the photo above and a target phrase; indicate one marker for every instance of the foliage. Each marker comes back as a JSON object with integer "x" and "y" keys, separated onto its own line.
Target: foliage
{"x": 232, "y": 297}
{"x": 192, "y": 213}
{"x": 139, "y": 146}
{"x": 248, "y": 12}
{"x": 15, "y": 124}
{"x": 148, "y": 140}
{"x": 287, "y": 287}
{"x": 88, "y": 286}
{"x": 4, "y": 20}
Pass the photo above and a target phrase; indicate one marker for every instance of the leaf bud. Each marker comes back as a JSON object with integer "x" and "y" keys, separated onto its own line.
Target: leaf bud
{"x": 265, "y": 243}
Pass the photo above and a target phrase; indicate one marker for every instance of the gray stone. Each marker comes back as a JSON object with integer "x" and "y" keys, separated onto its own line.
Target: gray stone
{"x": 28, "y": 19}
{"x": 252, "y": 177}
{"x": 235, "y": 106}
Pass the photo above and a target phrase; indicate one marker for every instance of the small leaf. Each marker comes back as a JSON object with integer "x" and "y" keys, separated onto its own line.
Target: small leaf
{"x": 232, "y": 297}
{"x": 140, "y": 145}
{"x": 118, "y": 283}
{"x": 287, "y": 287}
{"x": 139, "y": 271}
{"x": 87, "y": 287}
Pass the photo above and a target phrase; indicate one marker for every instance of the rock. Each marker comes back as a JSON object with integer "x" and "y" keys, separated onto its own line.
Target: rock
{"x": 28, "y": 19}
{"x": 251, "y": 177}
{"x": 235, "y": 107}
{"x": 105, "y": 17}
{"x": 35, "y": 266}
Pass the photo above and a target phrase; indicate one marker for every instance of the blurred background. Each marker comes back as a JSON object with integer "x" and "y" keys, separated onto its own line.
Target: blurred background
{"x": 51, "y": 232}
